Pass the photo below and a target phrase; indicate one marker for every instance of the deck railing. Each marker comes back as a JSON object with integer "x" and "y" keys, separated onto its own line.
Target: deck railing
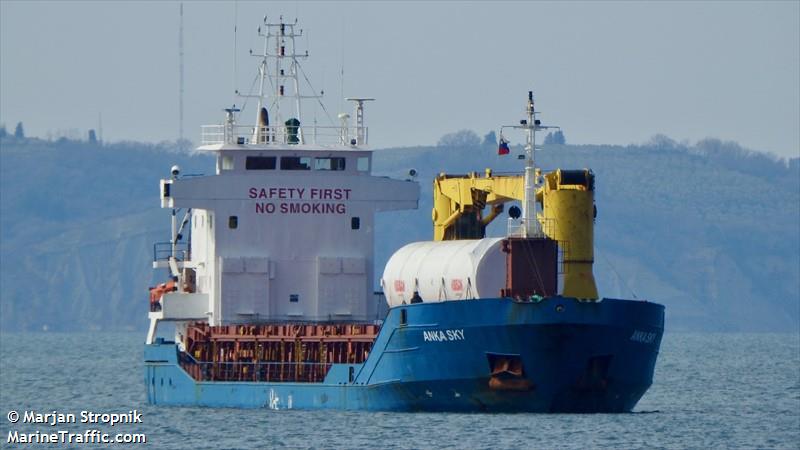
{"x": 282, "y": 135}
{"x": 542, "y": 228}
{"x": 163, "y": 250}
{"x": 297, "y": 372}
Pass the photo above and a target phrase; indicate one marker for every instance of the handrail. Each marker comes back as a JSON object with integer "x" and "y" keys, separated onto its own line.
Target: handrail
{"x": 163, "y": 250}
{"x": 282, "y": 135}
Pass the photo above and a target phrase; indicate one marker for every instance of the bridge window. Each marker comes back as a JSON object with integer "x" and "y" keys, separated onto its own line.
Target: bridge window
{"x": 294, "y": 298}
{"x": 363, "y": 164}
{"x": 355, "y": 223}
{"x": 260, "y": 163}
{"x": 233, "y": 222}
{"x": 329, "y": 163}
{"x": 295, "y": 163}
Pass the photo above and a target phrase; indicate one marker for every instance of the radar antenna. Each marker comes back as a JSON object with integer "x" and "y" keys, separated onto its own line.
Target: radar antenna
{"x": 360, "y": 130}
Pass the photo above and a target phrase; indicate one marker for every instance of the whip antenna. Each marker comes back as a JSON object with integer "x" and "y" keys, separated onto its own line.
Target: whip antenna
{"x": 235, "y": 23}
{"x": 180, "y": 75}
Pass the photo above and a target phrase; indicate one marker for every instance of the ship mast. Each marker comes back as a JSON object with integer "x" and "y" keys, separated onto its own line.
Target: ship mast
{"x": 529, "y": 207}
{"x": 279, "y": 46}
{"x": 530, "y": 224}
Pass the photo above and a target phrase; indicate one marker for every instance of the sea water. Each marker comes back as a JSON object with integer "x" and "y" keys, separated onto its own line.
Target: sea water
{"x": 709, "y": 391}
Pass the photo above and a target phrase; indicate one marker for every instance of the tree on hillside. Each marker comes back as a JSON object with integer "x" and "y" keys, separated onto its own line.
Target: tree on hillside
{"x": 490, "y": 138}
{"x": 556, "y": 138}
{"x": 183, "y": 145}
{"x": 731, "y": 154}
{"x": 92, "y": 137}
{"x": 19, "y": 132}
{"x": 3, "y": 132}
{"x": 462, "y": 138}
{"x": 662, "y": 142}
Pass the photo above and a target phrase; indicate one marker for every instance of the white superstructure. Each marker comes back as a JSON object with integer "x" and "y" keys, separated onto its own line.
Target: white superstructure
{"x": 284, "y": 231}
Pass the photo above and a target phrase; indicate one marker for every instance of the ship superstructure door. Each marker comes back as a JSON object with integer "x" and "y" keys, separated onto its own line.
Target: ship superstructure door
{"x": 342, "y": 284}
{"x": 245, "y": 287}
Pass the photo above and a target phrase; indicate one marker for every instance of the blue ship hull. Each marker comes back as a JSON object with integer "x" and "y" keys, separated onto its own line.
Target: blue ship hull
{"x": 496, "y": 355}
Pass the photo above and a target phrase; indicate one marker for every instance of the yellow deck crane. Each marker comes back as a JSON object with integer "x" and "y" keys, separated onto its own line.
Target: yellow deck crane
{"x": 459, "y": 201}
{"x": 566, "y": 200}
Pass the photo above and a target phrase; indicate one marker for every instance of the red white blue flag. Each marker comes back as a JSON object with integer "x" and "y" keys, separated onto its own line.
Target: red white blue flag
{"x": 503, "y": 148}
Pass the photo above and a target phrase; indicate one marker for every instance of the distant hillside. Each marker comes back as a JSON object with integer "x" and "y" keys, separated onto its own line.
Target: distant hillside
{"x": 710, "y": 230}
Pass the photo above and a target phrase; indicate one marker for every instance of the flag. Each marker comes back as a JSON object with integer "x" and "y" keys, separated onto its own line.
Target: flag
{"x": 503, "y": 148}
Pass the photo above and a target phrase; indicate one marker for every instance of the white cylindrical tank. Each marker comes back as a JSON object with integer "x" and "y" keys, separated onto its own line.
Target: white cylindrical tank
{"x": 445, "y": 270}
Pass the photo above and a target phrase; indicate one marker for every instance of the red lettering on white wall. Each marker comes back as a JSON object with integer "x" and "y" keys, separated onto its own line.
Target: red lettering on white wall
{"x": 329, "y": 200}
{"x": 301, "y": 208}
{"x": 278, "y": 192}
{"x": 265, "y": 208}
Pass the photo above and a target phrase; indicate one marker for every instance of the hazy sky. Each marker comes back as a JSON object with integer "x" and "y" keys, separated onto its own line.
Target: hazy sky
{"x": 607, "y": 72}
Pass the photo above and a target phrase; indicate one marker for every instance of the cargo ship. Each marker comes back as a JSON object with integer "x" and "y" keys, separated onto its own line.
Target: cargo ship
{"x": 271, "y": 289}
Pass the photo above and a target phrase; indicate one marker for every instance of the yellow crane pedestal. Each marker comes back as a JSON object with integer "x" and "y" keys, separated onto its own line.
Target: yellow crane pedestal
{"x": 567, "y": 199}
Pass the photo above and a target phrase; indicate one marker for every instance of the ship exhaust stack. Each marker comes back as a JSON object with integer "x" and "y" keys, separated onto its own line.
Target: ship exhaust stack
{"x": 567, "y": 199}
{"x": 262, "y": 126}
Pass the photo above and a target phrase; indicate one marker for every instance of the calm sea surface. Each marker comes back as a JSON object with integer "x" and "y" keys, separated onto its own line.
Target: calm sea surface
{"x": 710, "y": 391}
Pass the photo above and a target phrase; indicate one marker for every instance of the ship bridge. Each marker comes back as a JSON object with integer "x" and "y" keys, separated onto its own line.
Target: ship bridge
{"x": 284, "y": 230}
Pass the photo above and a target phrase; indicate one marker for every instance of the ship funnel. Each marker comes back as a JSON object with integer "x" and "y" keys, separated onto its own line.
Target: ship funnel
{"x": 260, "y": 134}
{"x": 567, "y": 199}
{"x": 263, "y": 118}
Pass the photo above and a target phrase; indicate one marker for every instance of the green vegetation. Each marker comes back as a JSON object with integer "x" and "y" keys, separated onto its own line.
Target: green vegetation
{"x": 711, "y": 230}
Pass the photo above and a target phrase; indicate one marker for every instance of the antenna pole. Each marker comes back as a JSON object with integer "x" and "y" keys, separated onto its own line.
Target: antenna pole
{"x": 341, "y": 71}
{"x": 278, "y": 78}
{"x": 180, "y": 75}
{"x": 529, "y": 206}
{"x": 235, "y": 27}
{"x": 296, "y": 79}
{"x": 262, "y": 74}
